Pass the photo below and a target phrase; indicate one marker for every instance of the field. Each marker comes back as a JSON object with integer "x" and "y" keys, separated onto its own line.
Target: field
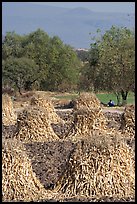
{"x": 67, "y": 147}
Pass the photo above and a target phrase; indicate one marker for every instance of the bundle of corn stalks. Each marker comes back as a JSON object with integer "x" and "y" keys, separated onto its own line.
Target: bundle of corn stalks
{"x": 33, "y": 125}
{"x": 45, "y": 102}
{"x": 8, "y": 115}
{"x": 88, "y": 117}
{"x": 100, "y": 166}
{"x": 88, "y": 100}
{"x": 19, "y": 182}
{"x": 128, "y": 121}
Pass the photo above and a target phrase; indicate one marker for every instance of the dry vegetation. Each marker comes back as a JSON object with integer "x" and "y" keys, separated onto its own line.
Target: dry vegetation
{"x": 8, "y": 114}
{"x": 53, "y": 155}
{"x": 19, "y": 182}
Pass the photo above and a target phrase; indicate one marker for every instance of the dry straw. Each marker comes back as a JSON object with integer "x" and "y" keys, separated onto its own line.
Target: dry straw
{"x": 88, "y": 100}
{"x": 128, "y": 121}
{"x": 102, "y": 164}
{"x": 39, "y": 100}
{"x": 19, "y": 182}
{"x": 8, "y": 115}
{"x": 88, "y": 117}
{"x": 99, "y": 167}
{"x": 33, "y": 125}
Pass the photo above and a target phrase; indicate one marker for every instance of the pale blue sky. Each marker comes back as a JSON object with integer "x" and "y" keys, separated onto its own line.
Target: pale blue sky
{"x": 124, "y": 7}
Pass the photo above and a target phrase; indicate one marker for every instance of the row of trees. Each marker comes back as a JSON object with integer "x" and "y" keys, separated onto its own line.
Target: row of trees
{"x": 37, "y": 61}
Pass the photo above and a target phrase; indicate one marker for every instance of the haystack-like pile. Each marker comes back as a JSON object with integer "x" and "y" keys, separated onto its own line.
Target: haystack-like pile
{"x": 88, "y": 100}
{"x": 88, "y": 116}
{"x": 100, "y": 166}
{"x": 19, "y": 182}
{"x": 33, "y": 125}
{"x": 40, "y": 100}
{"x": 8, "y": 115}
{"x": 128, "y": 121}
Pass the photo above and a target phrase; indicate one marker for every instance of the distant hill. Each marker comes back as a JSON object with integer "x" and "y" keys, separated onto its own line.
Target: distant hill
{"x": 71, "y": 25}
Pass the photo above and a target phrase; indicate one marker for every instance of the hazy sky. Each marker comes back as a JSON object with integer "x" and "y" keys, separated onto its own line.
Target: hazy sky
{"x": 124, "y": 7}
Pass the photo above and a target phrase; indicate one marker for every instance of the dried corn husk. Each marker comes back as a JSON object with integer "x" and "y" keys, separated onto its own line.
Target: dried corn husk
{"x": 88, "y": 100}
{"x": 128, "y": 121}
{"x": 45, "y": 102}
{"x": 8, "y": 115}
{"x": 33, "y": 125}
{"x": 99, "y": 168}
{"x": 102, "y": 164}
{"x": 88, "y": 117}
{"x": 19, "y": 182}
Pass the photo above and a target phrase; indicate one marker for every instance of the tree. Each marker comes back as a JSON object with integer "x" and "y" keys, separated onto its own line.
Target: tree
{"x": 36, "y": 47}
{"x": 115, "y": 65}
{"x": 90, "y": 79}
{"x": 12, "y": 45}
{"x": 24, "y": 50}
{"x": 63, "y": 66}
{"x": 38, "y": 58}
{"x": 117, "y": 51}
{"x": 20, "y": 72}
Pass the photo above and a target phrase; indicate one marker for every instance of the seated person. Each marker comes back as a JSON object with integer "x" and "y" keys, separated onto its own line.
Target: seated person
{"x": 111, "y": 103}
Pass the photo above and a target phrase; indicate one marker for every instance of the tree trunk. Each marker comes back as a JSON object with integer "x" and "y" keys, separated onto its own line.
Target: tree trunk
{"x": 27, "y": 85}
{"x": 124, "y": 97}
{"x": 118, "y": 98}
{"x": 19, "y": 88}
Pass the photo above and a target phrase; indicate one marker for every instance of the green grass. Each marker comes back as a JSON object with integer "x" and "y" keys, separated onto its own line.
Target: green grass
{"x": 105, "y": 97}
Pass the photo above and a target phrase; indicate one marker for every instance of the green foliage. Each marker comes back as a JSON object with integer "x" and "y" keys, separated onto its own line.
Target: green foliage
{"x": 37, "y": 58}
{"x": 117, "y": 58}
{"x": 63, "y": 66}
{"x": 112, "y": 62}
{"x": 12, "y": 45}
{"x": 19, "y": 71}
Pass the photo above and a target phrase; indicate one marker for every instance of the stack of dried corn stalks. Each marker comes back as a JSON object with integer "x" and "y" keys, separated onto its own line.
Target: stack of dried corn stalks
{"x": 19, "y": 182}
{"x": 100, "y": 166}
{"x": 39, "y": 100}
{"x": 128, "y": 121}
{"x": 33, "y": 125}
{"x": 8, "y": 115}
{"x": 88, "y": 100}
{"x": 88, "y": 117}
